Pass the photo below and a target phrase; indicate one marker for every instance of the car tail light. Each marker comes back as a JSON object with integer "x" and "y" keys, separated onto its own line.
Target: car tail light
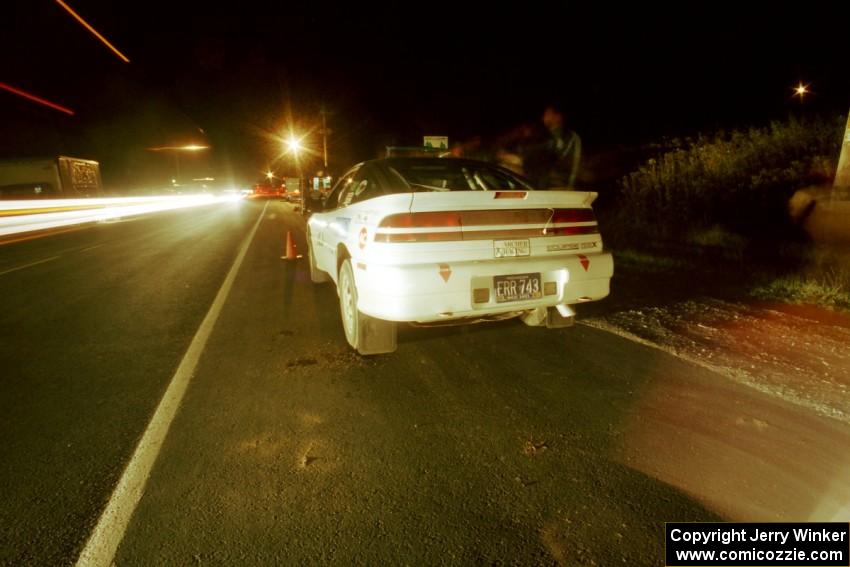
{"x": 573, "y": 215}
{"x": 422, "y": 220}
{"x": 428, "y": 220}
{"x": 571, "y": 230}
{"x": 485, "y": 224}
{"x": 564, "y": 216}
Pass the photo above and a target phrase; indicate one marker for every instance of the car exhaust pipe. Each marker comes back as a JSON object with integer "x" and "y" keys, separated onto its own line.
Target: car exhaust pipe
{"x": 565, "y": 310}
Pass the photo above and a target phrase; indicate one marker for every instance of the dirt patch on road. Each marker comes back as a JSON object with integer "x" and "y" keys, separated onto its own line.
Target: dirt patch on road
{"x": 302, "y": 361}
{"x": 532, "y": 448}
{"x": 772, "y": 450}
{"x": 796, "y": 353}
{"x": 331, "y": 358}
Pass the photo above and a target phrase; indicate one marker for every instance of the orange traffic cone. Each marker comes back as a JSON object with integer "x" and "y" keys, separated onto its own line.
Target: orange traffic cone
{"x": 289, "y": 251}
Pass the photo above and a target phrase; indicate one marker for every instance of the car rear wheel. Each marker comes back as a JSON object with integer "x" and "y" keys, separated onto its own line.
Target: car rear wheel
{"x": 365, "y": 334}
{"x": 316, "y": 275}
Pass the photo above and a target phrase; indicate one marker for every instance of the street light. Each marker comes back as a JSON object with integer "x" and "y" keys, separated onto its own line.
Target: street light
{"x": 294, "y": 145}
{"x": 187, "y": 148}
{"x": 801, "y": 90}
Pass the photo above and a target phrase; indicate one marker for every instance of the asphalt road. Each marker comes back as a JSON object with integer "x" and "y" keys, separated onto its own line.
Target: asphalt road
{"x": 494, "y": 443}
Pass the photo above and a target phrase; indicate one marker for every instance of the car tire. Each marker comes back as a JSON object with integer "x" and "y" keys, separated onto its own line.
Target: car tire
{"x": 367, "y": 335}
{"x": 316, "y": 275}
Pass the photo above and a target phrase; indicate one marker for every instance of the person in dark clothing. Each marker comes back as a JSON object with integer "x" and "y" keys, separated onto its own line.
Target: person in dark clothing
{"x": 554, "y": 161}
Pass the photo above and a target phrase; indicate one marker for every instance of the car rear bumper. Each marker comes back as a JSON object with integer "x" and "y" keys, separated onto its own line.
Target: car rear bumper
{"x": 427, "y": 293}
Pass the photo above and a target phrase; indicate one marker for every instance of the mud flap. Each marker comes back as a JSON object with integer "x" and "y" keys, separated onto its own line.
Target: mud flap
{"x": 554, "y": 319}
{"x": 375, "y": 336}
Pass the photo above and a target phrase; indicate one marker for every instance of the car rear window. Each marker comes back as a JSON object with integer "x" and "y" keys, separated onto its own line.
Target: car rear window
{"x": 452, "y": 175}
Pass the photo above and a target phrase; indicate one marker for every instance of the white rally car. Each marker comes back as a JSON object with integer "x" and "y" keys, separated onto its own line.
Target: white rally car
{"x": 443, "y": 240}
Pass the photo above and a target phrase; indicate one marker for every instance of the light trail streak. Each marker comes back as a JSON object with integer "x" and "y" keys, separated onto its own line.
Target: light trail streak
{"x": 70, "y": 212}
{"x": 86, "y": 25}
{"x": 35, "y": 98}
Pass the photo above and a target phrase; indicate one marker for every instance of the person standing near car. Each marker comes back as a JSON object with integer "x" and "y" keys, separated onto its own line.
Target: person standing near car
{"x": 554, "y": 162}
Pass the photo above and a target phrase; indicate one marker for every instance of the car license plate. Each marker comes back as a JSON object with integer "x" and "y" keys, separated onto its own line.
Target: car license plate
{"x": 511, "y": 248}
{"x": 517, "y": 287}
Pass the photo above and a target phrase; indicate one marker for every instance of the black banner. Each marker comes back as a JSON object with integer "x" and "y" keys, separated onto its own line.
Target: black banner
{"x": 808, "y": 544}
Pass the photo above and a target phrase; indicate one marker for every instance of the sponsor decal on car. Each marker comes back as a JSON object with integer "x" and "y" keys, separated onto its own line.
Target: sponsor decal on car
{"x": 559, "y": 247}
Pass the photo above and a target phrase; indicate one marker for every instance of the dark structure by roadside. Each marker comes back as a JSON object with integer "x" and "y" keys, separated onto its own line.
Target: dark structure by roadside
{"x": 50, "y": 178}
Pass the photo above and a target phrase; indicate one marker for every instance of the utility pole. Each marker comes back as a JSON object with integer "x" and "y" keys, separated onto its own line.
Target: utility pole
{"x": 841, "y": 185}
{"x": 324, "y": 137}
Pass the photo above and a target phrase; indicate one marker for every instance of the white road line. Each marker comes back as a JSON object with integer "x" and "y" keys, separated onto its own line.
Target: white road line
{"x": 109, "y": 531}
{"x": 92, "y": 247}
{"x": 36, "y": 263}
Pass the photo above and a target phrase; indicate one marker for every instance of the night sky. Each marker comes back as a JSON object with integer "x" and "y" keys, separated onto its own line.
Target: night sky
{"x": 229, "y": 74}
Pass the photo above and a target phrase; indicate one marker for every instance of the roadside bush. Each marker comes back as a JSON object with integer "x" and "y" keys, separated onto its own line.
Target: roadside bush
{"x": 823, "y": 279}
{"x": 741, "y": 180}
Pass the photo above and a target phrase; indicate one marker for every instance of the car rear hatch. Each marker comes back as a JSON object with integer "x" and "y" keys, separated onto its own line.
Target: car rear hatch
{"x": 490, "y": 225}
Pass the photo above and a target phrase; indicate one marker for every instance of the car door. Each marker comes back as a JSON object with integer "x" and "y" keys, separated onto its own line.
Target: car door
{"x": 330, "y": 227}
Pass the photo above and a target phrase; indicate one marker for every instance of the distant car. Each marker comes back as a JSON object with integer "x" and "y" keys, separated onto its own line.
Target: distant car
{"x": 448, "y": 241}
{"x": 267, "y": 190}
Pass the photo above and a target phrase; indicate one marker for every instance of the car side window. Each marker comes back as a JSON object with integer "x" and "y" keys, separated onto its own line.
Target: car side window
{"x": 347, "y": 192}
{"x": 362, "y": 186}
{"x": 366, "y": 188}
{"x": 338, "y": 193}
